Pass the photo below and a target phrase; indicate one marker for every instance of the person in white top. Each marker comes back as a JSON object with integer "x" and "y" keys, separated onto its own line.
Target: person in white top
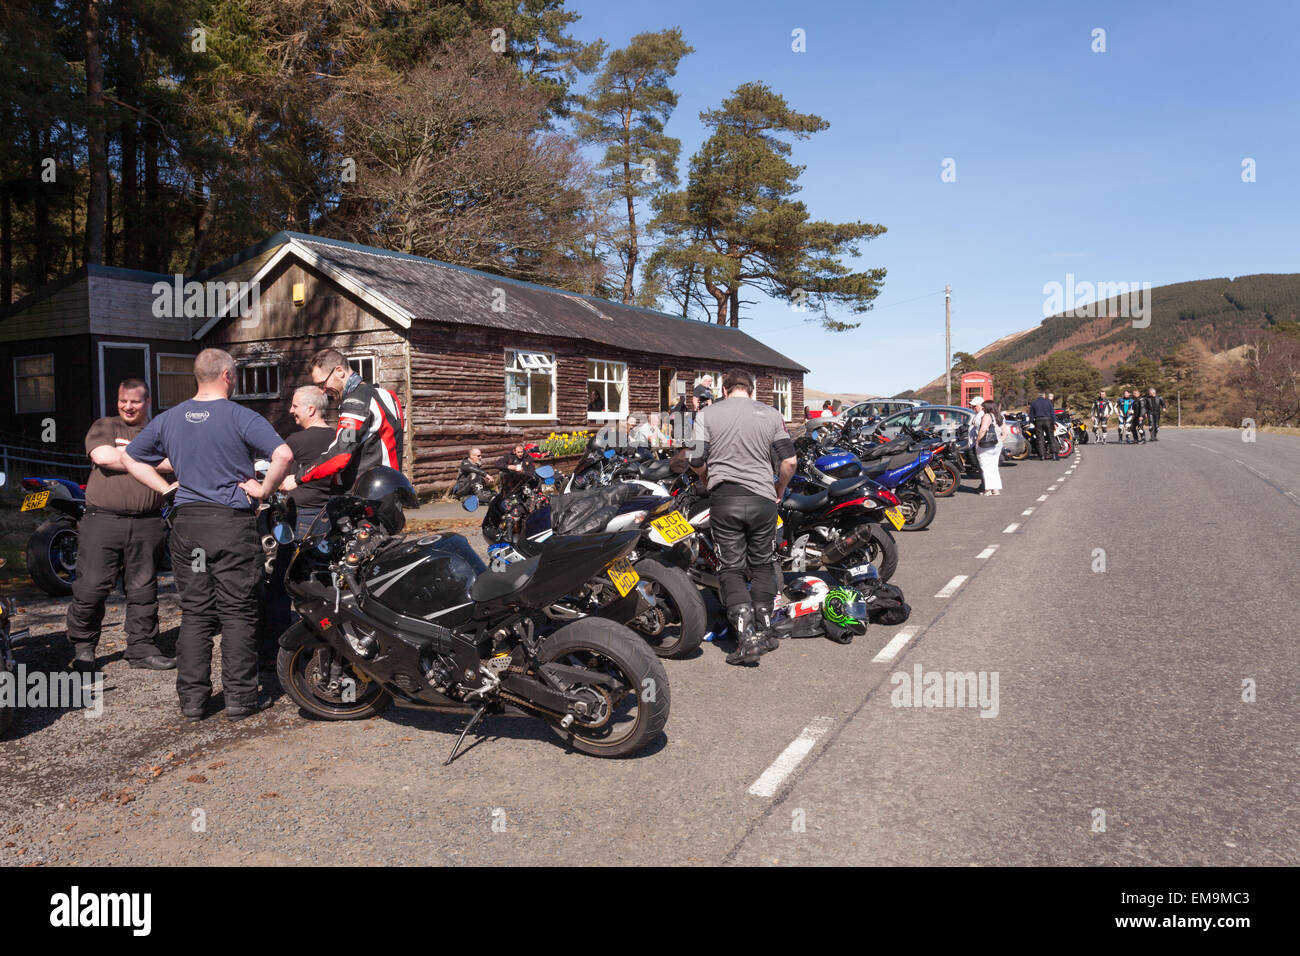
{"x": 990, "y": 435}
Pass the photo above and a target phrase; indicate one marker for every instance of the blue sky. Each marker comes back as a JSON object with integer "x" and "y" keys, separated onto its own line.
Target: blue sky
{"x": 1117, "y": 166}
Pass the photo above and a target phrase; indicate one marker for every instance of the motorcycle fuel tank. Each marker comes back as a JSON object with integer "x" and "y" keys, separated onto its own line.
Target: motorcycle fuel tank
{"x": 839, "y": 464}
{"x": 427, "y": 576}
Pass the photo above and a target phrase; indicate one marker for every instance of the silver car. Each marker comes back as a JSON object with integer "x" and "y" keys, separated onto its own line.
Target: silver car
{"x": 952, "y": 422}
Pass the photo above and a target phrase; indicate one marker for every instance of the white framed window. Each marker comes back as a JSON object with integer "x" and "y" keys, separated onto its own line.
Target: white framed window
{"x": 175, "y": 378}
{"x": 258, "y": 380}
{"x": 781, "y": 396}
{"x": 530, "y": 384}
{"x": 33, "y": 383}
{"x": 606, "y": 389}
{"x": 364, "y": 365}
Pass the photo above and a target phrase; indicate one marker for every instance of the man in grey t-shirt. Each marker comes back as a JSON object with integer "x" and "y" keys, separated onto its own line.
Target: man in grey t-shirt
{"x": 735, "y": 443}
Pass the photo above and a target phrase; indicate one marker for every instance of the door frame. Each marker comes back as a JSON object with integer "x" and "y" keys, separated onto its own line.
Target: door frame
{"x": 103, "y": 410}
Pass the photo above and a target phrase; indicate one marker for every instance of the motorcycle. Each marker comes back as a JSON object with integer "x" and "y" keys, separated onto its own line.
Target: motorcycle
{"x": 52, "y": 548}
{"x": 1064, "y": 443}
{"x": 907, "y": 475}
{"x": 670, "y": 615}
{"x": 420, "y": 622}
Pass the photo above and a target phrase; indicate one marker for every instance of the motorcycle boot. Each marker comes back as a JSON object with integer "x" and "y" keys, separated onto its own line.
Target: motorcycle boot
{"x": 768, "y": 638}
{"x": 741, "y": 621}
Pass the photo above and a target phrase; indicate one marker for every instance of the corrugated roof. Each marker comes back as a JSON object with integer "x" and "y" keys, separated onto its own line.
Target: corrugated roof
{"x": 442, "y": 292}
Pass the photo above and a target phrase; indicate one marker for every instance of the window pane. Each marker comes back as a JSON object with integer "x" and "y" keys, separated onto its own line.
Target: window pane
{"x": 516, "y": 393}
{"x": 176, "y": 364}
{"x": 614, "y": 398}
{"x": 540, "y": 385}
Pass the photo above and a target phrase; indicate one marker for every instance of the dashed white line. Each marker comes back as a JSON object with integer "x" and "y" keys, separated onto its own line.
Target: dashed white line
{"x": 1011, "y": 528}
{"x": 770, "y": 780}
{"x": 986, "y": 553}
{"x": 896, "y": 644}
{"x": 1042, "y": 497}
{"x": 1053, "y": 488}
{"x": 949, "y": 589}
{"x": 1027, "y": 511}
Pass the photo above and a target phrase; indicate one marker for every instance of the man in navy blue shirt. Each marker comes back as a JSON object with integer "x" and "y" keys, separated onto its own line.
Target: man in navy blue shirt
{"x": 212, "y": 443}
{"x": 1044, "y": 416}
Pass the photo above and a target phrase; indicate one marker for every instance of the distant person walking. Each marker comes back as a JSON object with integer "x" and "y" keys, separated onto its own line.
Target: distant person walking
{"x": 1155, "y": 405}
{"x": 990, "y": 436}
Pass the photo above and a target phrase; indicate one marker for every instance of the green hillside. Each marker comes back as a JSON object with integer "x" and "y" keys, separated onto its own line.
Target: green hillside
{"x": 1217, "y": 310}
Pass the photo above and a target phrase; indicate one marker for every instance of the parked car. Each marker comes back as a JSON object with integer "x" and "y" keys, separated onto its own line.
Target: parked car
{"x": 874, "y": 408}
{"x": 948, "y": 419}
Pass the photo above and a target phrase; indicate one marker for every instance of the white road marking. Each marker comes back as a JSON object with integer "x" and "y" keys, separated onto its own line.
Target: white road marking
{"x": 986, "y": 553}
{"x": 1042, "y": 497}
{"x": 771, "y": 779}
{"x": 1011, "y": 528}
{"x": 1063, "y": 477}
{"x": 949, "y": 589}
{"x": 896, "y": 644}
{"x": 1053, "y": 487}
{"x": 1027, "y": 511}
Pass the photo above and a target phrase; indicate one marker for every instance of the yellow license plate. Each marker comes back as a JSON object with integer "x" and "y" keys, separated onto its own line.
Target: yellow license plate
{"x": 929, "y": 472}
{"x": 673, "y": 527}
{"x": 34, "y": 501}
{"x": 623, "y": 575}
{"x": 895, "y": 516}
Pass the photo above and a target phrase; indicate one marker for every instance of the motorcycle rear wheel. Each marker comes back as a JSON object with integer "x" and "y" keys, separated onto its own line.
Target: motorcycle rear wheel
{"x": 881, "y": 550}
{"x": 636, "y": 712}
{"x": 299, "y": 673}
{"x": 52, "y": 556}
{"x": 946, "y": 479}
{"x": 919, "y": 507}
{"x": 683, "y": 628}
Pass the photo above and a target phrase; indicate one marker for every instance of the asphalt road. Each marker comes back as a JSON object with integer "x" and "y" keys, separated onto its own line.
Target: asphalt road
{"x": 1118, "y": 733}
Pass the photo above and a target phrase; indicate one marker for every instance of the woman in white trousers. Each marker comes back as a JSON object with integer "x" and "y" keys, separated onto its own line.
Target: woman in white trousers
{"x": 990, "y": 455}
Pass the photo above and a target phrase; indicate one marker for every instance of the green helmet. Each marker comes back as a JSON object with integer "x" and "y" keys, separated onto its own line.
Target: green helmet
{"x": 844, "y": 613}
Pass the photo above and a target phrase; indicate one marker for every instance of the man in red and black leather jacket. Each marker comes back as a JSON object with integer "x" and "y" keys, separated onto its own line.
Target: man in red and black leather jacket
{"x": 370, "y": 428}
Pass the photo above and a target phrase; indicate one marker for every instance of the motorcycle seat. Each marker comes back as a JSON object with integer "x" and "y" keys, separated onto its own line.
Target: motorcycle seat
{"x": 493, "y": 585}
{"x": 883, "y": 450}
{"x": 657, "y": 470}
{"x": 847, "y": 486}
{"x": 805, "y": 503}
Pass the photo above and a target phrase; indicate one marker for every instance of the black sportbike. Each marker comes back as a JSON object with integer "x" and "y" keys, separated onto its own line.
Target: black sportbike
{"x": 420, "y": 622}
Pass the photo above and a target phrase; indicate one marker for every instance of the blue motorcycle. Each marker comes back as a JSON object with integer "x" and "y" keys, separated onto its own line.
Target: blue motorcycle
{"x": 907, "y": 474}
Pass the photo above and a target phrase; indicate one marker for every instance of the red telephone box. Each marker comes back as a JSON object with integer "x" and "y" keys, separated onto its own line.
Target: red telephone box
{"x": 976, "y": 384}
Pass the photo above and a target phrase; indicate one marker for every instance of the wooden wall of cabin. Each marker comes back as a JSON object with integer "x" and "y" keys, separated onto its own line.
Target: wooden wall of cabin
{"x": 458, "y": 393}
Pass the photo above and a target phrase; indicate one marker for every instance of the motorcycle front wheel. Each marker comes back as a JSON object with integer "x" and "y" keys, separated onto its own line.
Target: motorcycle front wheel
{"x": 919, "y": 507}
{"x": 52, "y": 556}
{"x": 621, "y": 719}
{"x": 304, "y": 675}
{"x": 1066, "y": 448}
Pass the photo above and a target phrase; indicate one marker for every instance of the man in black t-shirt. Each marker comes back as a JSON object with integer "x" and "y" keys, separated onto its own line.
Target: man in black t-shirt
{"x": 121, "y": 532}
{"x": 308, "y": 445}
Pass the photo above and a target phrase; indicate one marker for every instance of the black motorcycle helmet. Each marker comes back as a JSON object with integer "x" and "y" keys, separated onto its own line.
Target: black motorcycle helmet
{"x": 597, "y": 442}
{"x": 386, "y": 492}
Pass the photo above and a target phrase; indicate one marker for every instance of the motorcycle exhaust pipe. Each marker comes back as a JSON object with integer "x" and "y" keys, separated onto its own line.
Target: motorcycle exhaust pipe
{"x": 849, "y": 543}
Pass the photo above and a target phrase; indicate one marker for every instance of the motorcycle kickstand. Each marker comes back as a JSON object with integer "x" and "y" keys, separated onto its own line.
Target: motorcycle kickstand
{"x": 461, "y": 739}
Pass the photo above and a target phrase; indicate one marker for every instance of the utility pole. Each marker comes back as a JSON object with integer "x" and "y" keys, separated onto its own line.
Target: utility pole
{"x": 1180, "y": 408}
{"x": 947, "y": 340}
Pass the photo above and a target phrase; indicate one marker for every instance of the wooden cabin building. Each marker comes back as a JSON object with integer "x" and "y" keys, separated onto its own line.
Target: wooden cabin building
{"x": 476, "y": 359}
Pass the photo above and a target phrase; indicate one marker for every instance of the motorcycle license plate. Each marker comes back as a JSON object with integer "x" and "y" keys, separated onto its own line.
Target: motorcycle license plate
{"x": 929, "y": 472}
{"x": 623, "y": 575}
{"x": 895, "y": 516}
{"x": 673, "y": 527}
{"x": 35, "y": 501}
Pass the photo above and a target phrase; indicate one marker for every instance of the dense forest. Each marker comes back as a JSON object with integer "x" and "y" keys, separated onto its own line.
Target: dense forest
{"x": 162, "y": 135}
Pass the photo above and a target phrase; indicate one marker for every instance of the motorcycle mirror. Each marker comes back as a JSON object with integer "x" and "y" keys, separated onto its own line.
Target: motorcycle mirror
{"x": 283, "y": 533}
{"x": 470, "y": 503}
{"x": 546, "y": 473}
{"x": 2, "y": 479}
